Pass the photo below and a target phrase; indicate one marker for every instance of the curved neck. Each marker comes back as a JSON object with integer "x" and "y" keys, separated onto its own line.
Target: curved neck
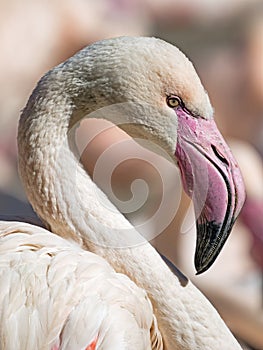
{"x": 68, "y": 200}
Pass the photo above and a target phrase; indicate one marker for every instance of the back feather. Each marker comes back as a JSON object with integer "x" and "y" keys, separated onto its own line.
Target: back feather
{"x": 55, "y": 295}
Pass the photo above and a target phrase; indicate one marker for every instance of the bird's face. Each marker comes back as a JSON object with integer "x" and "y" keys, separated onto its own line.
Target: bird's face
{"x": 174, "y": 106}
{"x": 209, "y": 172}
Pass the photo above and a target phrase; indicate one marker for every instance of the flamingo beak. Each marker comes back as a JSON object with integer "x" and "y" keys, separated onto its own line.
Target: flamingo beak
{"x": 211, "y": 177}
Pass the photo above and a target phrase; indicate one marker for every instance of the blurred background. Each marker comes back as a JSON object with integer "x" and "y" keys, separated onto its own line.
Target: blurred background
{"x": 224, "y": 40}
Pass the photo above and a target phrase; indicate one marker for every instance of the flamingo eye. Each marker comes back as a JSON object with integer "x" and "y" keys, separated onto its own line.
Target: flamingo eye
{"x": 173, "y": 101}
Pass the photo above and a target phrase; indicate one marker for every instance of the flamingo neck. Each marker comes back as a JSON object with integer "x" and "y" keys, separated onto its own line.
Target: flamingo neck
{"x": 73, "y": 206}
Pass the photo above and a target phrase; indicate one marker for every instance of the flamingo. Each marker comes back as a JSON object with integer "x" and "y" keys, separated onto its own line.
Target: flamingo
{"x": 101, "y": 285}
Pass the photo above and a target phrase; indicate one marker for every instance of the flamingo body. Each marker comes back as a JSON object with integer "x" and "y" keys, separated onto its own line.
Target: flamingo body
{"x": 60, "y": 296}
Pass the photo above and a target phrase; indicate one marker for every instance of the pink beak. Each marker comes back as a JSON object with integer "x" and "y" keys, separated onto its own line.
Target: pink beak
{"x": 212, "y": 179}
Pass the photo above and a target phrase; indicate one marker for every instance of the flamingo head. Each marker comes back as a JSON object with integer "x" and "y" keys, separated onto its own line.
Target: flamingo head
{"x": 168, "y": 102}
{"x": 162, "y": 98}
{"x": 180, "y": 113}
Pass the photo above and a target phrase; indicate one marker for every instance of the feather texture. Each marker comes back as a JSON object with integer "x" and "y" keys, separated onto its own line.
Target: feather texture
{"x": 56, "y": 295}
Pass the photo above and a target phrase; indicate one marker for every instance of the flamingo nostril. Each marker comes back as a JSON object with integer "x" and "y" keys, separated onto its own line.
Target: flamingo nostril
{"x": 219, "y": 155}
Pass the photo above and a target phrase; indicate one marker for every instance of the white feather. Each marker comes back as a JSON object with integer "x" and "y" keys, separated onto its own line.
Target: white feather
{"x": 54, "y": 292}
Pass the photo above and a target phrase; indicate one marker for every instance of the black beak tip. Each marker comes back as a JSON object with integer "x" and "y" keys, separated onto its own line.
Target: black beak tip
{"x": 201, "y": 267}
{"x": 206, "y": 244}
{"x": 201, "y": 270}
{"x": 211, "y": 238}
